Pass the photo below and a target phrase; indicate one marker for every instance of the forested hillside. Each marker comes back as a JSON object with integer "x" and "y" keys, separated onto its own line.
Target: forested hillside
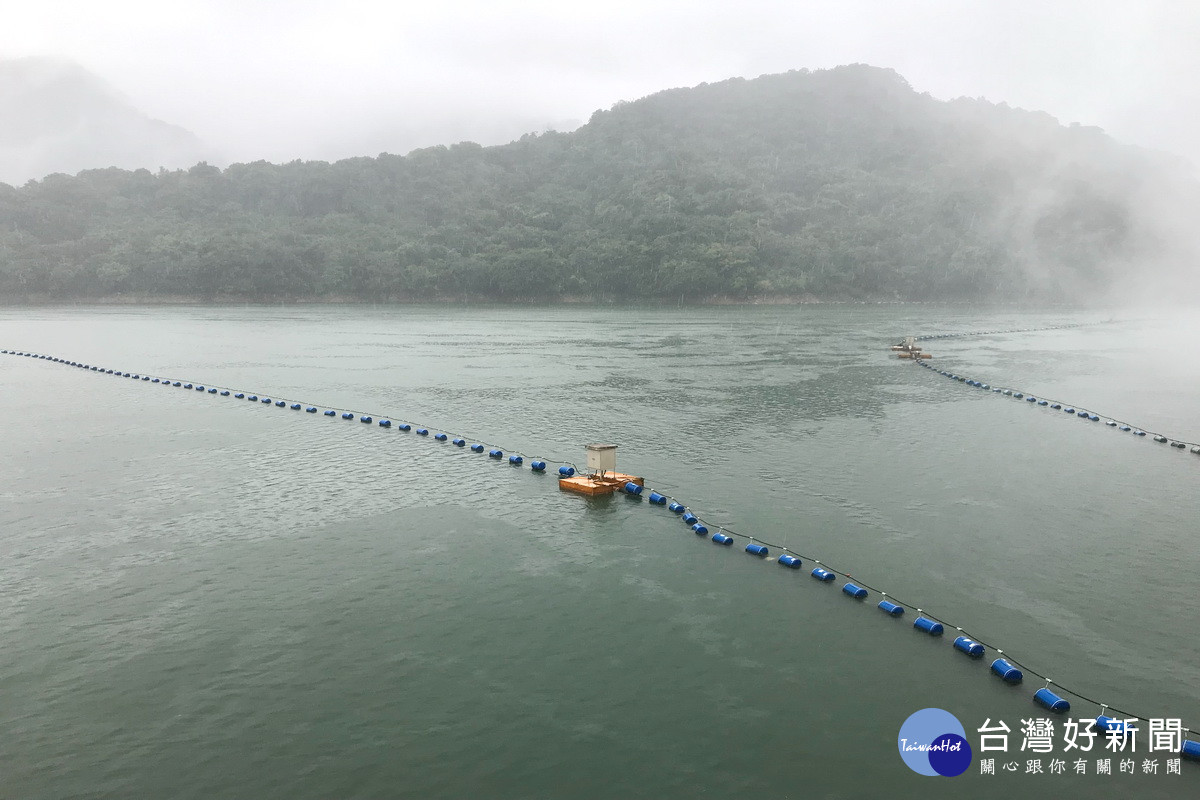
{"x": 839, "y": 184}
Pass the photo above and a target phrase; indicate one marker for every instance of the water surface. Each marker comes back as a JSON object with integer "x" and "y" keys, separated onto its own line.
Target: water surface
{"x": 206, "y": 597}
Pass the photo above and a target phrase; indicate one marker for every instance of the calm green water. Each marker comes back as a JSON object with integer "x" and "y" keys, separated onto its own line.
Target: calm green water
{"x": 204, "y": 597}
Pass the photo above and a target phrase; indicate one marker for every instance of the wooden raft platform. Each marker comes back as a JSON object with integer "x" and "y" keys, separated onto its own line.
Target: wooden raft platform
{"x": 597, "y": 484}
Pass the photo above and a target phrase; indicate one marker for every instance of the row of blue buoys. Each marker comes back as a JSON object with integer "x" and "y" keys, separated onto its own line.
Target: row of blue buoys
{"x": 931, "y": 337}
{"x": 537, "y": 465}
{"x": 975, "y": 649}
{"x": 1056, "y": 406}
{"x": 1001, "y": 667}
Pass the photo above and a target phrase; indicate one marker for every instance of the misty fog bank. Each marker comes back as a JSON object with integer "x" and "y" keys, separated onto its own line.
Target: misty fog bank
{"x": 55, "y": 117}
{"x": 833, "y": 185}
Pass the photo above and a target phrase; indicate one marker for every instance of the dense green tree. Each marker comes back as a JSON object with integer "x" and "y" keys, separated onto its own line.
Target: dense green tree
{"x": 835, "y": 184}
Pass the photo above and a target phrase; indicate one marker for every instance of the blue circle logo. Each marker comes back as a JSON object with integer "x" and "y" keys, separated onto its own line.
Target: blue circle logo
{"x": 933, "y": 742}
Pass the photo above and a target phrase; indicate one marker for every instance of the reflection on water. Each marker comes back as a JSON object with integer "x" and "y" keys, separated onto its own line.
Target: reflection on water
{"x": 210, "y": 597}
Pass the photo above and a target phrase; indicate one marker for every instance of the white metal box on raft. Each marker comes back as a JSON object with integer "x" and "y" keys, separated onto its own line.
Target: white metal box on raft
{"x": 602, "y": 477}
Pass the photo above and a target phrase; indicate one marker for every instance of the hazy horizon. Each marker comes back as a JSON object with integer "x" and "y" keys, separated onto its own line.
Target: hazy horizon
{"x": 285, "y": 81}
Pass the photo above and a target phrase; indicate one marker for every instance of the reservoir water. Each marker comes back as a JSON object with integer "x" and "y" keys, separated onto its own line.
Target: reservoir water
{"x": 206, "y": 597}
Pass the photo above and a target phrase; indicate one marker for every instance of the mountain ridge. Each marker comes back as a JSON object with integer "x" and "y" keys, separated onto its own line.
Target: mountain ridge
{"x": 56, "y": 117}
{"x": 840, "y": 184}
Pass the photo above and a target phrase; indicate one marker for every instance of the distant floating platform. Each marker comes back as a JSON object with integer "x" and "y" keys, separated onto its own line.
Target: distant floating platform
{"x": 607, "y": 483}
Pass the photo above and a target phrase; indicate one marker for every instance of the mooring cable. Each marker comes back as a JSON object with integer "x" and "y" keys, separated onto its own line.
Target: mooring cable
{"x": 675, "y": 506}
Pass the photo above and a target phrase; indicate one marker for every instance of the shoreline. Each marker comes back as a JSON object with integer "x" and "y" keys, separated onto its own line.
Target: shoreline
{"x": 152, "y": 301}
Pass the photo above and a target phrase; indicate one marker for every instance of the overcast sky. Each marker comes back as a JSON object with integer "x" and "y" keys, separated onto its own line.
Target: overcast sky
{"x": 318, "y": 79}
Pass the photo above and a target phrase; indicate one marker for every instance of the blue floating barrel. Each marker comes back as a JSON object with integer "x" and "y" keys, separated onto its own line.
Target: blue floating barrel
{"x": 699, "y": 529}
{"x": 347, "y": 415}
{"x": 225, "y": 393}
{"x": 422, "y": 431}
{"x": 757, "y": 550}
{"x": 1068, "y": 410}
{"x": 463, "y": 443}
{"x": 566, "y": 472}
{"x": 441, "y": 437}
{"x": 677, "y": 508}
{"x": 1081, "y": 414}
{"x": 494, "y": 453}
{"x": 1007, "y": 671}
{"x": 891, "y": 608}
{"x": 1111, "y": 424}
{"x": 632, "y": 488}
{"x": 295, "y": 406}
{"x": 1139, "y": 433}
{"x": 1043, "y": 402}
{"x": 240, "y": 396}
{"x": 789, "y": 561}
{"x": 210, "y": 391}
{"x": 657, "y": 499}
{"x": 311, "y": 410}
{"x": 186, "y": 385}
{"x": 1126, "y": 428}
{"x": 366, "y": 419}
{"x": 154, "y": 380}
{"x": 1094, "y": 417}
{"x": 823, "y": 574}
{"x": 721, "y": 538}
{"x": 1031, "y": 399}
{"x": 536, "y": 466}
{"x": 331, "y": 413}
{"x": 1160, "y": 439}
{"x": 689, "y": 518}
{"x": 1057, "y": 406}
{"x": 267, "y": 401}
{"x": 517, "y": 460}
{"x": 929, "y": 626}
{"x": 1190, "y": 750}
{"x": 854, "y": 590}
{"x": 385, "y": 423}
{"x": 199, "y": 388}
{"x": 1050, "y": 700}
{"x": 404, "y": 426}
{"x": 280, "y": 403}
{"x": 969, "y": 646}
{"x": 478, "y": 448}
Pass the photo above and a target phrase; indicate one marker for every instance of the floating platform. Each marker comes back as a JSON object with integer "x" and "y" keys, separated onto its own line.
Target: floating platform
{"x": 909, "y": 349}
{"x": 604, "y": 483}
